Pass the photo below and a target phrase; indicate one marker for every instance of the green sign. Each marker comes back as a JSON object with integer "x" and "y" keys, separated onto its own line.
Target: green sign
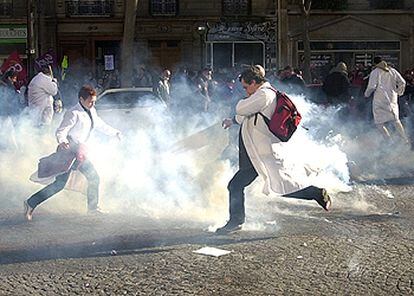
{"x": 12, "y": 34}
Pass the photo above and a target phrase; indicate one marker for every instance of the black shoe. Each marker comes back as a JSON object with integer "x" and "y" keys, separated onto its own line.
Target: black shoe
{"x": 231, "y": 226}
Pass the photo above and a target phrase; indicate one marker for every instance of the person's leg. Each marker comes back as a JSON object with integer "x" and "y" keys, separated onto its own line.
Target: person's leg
{"x": 236, "y": 186}
{"x": 320, "y": 195}
{"x": 44, "y": 194}
{"x": 383, "y": 130}
{"x": 400, "y": 128}
{"x": 88, "y": 170}
{"x": 48, "y": 191}
{"x": 241, "y": 180}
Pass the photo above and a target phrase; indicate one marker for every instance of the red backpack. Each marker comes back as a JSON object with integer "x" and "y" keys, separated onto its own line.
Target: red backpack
{"x": 285, "y": 119}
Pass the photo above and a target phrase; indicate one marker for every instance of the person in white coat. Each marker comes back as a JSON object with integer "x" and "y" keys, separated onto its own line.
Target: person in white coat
{"x": 73, "y": 133}
{"x": 387, "y": 84}
{"x": 256, "y": 157}
{"x": 40, "y": 94}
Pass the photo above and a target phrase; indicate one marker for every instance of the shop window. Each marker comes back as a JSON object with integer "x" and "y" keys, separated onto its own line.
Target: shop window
{"x": 236, "y": 7}
{"x": 6, "y": 8}
{"x": 222, "y": 54}
{"x": 164, "y": 7}
{"x": 235, "y": 54}
{"x": 387, "y": 4}
{"x": 248, "y": 54}
{"x": 97, "y": 8}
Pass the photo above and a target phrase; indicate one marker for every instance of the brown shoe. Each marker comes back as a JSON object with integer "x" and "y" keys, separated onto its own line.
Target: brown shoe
{"x": 28, "y": 211}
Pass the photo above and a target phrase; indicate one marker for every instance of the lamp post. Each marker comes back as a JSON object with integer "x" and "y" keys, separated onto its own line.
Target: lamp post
{"x": 31, "y": 50}
{"x": 201, "y": 32}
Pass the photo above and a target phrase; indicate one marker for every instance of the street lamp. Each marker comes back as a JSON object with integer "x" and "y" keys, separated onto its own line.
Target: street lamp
{"x": 31, "y": 46}
{"x": 201, "y": 32}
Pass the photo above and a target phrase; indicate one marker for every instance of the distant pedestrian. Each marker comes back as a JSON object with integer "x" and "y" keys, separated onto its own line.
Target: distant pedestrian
{"x": 387, "y": 84}
{"x": 292, "y": 81}
{"x": 163, "y": 88}
{"x": 204, "y": 84}
{"x": 10, "y": 108}
{"x": 9, "y": 98}
{"x": 336, "y": 85}
{"x": 41, "y": 90}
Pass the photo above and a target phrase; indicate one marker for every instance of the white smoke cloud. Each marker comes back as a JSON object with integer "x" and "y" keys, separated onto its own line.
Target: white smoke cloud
{"x": 171, "y": 166}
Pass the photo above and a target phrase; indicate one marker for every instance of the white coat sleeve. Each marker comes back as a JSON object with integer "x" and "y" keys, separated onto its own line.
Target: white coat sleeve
{"x": 400, "y": 83}
{"x": 105, "y": 128}
{"x": 372, "y": 83}
{"x": 239, "y": 118}
{"x": 69, "y": 121}
{"x": 254, "y": 104}
{"x": 50, "y": 87}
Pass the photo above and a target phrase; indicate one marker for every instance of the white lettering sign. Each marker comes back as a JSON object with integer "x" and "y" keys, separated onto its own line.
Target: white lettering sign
{"x": 45, "y": 61}
{"x": 13, "y": 33}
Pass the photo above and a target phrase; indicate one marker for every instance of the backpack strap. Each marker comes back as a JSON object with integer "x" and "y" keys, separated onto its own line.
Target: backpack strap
{"x": 267, "y": 120}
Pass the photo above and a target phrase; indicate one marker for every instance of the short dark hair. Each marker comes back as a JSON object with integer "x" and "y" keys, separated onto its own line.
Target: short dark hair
{"x": 377, "y": 60}
{"x": 86, "y": 91}
{"x": 46, "y": 69}
{"x": 252, "y": 74}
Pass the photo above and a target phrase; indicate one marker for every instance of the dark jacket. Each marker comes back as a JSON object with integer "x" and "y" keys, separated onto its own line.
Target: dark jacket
{"x": 336, "y": 87}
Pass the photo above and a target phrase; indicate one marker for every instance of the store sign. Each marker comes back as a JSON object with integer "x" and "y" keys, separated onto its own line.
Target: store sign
{"x": 318, "y": 60}
{"x": 13, "y": 33}
{"x": 235, "y": 31}
{"x": 392, "y": 58}
{"x": 364, "y": 58}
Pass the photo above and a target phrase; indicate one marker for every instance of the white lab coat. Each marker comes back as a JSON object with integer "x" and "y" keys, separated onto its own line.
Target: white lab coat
{"x": 258, "y": 141}
{"x": 76, "y": 124}
{"x": 40, "y": 98}
{"x": 387, "y": 86}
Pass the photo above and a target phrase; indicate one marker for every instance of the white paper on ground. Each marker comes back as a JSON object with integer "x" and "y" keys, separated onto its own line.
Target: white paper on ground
{"x": 209, "y": 251}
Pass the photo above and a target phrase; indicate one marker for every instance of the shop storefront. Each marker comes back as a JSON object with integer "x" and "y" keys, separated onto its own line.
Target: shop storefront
{"x": 326, "y": 54}
{"x": 233, "y": 45}
{"x": 12, "y": 37}
{"x": 355, "y": 40}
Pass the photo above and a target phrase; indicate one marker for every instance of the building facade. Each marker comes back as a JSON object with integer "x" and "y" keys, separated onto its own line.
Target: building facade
{"x": 354, "y": 34}
{"x": 216, "y": 33}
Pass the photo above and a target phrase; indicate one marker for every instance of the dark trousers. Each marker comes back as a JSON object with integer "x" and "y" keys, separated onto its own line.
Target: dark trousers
{"x": 87, "y": 169}
{"x": 241, "y": 180}
{"x": 245, "y": 176}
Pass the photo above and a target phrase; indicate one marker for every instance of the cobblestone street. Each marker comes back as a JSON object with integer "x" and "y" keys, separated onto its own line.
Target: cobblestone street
{"x": 345, "y": 252}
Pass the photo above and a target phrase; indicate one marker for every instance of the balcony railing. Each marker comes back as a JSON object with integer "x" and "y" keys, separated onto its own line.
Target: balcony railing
{"x": 236, "y": 7}
{"x": 6, "y": 8}
{"x": 164, "y": 7}
{"x": 83, "y": 8}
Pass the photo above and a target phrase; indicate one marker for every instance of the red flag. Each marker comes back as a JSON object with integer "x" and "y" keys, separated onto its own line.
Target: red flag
{"x": 14, "y": 63}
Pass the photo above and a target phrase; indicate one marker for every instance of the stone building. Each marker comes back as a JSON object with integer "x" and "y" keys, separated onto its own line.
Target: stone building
{"x": 215, "y": 33}
{"x": 354, "y": 34}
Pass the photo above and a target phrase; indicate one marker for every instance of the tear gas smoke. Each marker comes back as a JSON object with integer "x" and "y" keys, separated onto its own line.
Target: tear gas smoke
{"x": 175, "y": 166}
